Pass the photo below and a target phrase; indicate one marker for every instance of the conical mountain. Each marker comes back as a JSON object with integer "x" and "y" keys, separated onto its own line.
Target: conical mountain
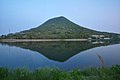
{"x": 56, "y": 28}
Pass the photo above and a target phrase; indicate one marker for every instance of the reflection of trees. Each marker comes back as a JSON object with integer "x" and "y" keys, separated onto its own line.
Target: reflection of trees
{"x": 58, "y": 51}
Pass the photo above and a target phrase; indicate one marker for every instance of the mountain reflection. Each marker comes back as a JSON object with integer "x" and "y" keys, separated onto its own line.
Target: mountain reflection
{"x": 59, "y": 51}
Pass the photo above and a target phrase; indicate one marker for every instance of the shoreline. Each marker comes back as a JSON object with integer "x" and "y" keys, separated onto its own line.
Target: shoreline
{"x": 39, "y": 40}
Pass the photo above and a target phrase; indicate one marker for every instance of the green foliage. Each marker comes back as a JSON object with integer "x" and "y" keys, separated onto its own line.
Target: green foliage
{"x": 115, "y": 71}
{"x": 112, "y": 73}
{"x": 3, "y": 73}
{"x": 46, "y": 74}
{"x": 20, "y": 74}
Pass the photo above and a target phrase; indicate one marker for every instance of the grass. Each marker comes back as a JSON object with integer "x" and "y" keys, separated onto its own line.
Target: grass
{"x": 112, "y": 73}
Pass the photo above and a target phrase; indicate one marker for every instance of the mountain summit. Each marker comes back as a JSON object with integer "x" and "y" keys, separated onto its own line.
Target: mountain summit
{"x": 56, "y": 28}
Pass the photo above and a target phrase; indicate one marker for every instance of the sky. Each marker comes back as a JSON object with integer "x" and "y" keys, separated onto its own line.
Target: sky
{"x": 100, "y": 15}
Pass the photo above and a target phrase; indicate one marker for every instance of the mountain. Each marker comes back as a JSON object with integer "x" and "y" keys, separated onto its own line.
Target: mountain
{"x": 57, "y": 28}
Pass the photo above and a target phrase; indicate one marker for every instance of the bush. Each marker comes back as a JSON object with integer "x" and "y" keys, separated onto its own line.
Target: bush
{"x": 115, "y": 72}
{"x": 112, "y": 73}
{"x": 20, "y": 74}
{"x": 3, "y": 73}
{"x": 46, "y": 74}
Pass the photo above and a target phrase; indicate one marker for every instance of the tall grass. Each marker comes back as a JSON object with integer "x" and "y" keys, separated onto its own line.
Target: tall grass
{"x": 112, "y": 73}
{"x": 101, "y": 61}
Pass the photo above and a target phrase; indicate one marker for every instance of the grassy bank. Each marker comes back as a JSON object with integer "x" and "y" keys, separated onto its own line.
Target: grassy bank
{"x": 112, "y": 73}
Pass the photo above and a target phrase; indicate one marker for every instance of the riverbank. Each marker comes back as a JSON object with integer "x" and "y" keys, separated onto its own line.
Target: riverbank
{"x": 39, "y": 40}
{"x": 112, "y": 73}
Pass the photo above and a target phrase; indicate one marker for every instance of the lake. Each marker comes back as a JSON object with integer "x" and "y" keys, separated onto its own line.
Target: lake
{"x": 64, "y": 55}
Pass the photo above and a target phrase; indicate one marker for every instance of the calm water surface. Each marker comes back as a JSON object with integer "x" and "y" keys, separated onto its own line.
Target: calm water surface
{"x": 65, "y": 55}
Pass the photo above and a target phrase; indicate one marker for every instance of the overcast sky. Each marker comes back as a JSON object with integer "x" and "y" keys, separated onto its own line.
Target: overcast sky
{"x": 18, "y": 15}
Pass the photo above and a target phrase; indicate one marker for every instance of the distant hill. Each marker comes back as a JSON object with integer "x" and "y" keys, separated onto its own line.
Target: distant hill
{"x": 57, "y": 28}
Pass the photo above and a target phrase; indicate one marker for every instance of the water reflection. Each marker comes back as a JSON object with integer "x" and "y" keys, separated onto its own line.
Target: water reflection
{"x": 60, "y": 51}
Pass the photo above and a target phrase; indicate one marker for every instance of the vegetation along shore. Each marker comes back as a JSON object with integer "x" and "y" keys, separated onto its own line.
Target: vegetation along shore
{"x": 112, "y": 73}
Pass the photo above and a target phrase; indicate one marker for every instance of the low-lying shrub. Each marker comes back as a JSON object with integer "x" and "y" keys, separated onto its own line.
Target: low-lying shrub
{"x": 112, "y": 73}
